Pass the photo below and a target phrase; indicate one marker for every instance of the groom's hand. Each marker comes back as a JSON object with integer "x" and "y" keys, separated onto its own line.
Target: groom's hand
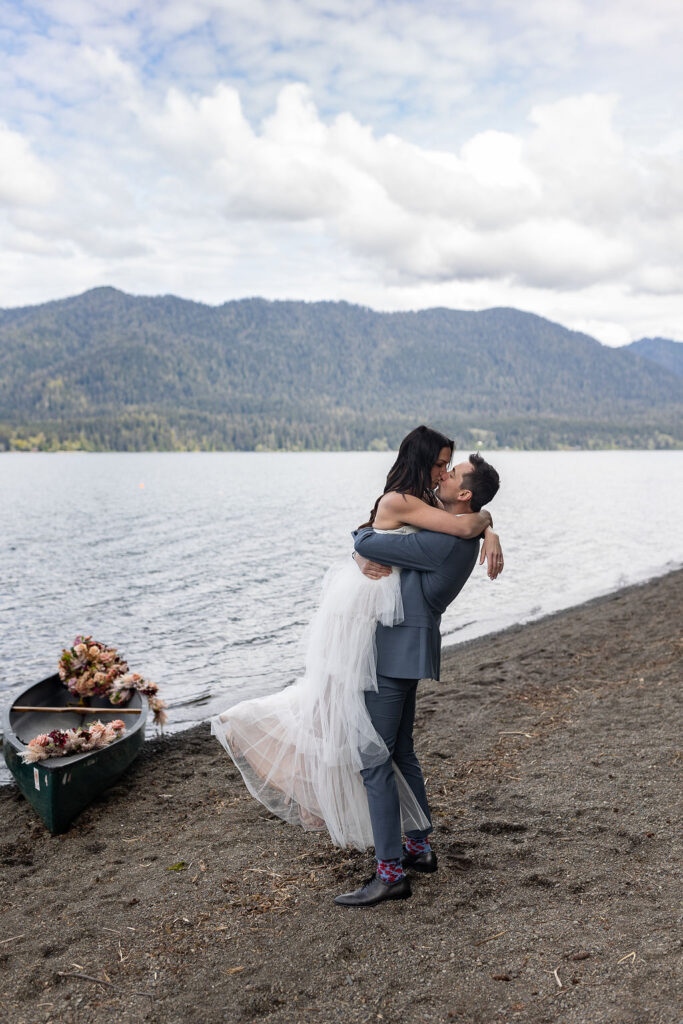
{"x": 373, "y": 570}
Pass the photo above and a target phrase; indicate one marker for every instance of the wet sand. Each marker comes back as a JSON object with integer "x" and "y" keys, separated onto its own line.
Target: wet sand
{"x": 552, "y": 753}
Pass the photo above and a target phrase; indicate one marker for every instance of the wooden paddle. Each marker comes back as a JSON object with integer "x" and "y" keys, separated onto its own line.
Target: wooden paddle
{"x": 85, "y": 711}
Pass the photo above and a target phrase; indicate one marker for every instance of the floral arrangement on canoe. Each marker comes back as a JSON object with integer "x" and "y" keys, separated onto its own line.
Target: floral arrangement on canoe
{"x": 91, "y": 669}
{"x": 60, "y": 743}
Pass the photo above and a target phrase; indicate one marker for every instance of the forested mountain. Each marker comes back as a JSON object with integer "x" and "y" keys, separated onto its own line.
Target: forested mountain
{"x": 666, "y": 353}
{"x": 106, "y": 370}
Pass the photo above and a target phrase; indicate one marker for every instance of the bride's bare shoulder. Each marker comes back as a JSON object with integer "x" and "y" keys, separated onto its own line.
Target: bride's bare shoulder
{"x": 394, "y": 501}
{"x": 392, "y": 509}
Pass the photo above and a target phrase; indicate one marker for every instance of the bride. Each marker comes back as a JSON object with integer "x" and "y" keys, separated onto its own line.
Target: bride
{"x": 300, "y": 750}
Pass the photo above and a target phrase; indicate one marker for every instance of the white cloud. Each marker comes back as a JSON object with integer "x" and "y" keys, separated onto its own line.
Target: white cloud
{"x": 25, "y": 180}
{"x": 624, "y": 24}
{"x": 105, "y": 65}
{"x": 658, "y": 280}
{"x": 562, "y": 206}
{"x": 580, "y": 157}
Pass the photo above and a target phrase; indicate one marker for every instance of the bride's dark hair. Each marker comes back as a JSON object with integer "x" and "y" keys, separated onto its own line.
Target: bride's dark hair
{"x": 412, "y": 471}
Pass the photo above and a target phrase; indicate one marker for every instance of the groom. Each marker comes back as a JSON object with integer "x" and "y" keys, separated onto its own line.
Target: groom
{"x": 435, "y": 568}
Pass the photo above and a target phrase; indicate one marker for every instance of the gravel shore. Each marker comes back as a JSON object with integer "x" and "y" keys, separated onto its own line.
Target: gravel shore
{"x": 553, "y": 770}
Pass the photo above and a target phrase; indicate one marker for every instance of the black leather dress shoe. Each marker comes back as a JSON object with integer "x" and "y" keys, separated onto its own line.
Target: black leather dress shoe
{"x": 424, "y": 862}
{"x": 375, "y": 891}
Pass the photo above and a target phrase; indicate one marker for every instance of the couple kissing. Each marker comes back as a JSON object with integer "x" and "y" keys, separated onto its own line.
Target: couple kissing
{"x": 334, "y": 751}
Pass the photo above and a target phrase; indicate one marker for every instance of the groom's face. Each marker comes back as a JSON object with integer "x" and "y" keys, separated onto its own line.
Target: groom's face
{"x": 440, "y": 467}
{"x": 452, "y": 483}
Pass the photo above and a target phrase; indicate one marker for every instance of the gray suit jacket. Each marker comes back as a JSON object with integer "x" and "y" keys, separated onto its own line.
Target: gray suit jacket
{"x": 435, "y": 567}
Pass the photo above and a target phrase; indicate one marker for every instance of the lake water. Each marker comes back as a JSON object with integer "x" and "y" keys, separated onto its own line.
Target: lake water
{"x": 204, "y": 568}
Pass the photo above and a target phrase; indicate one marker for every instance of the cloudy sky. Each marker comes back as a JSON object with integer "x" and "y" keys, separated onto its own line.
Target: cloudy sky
{"x": 461, "y": 153}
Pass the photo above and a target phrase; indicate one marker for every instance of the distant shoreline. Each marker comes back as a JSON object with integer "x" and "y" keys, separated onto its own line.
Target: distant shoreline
{"x": 677, "y": 446}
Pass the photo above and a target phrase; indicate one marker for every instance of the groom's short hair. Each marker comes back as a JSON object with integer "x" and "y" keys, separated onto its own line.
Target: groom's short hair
{"x": 483, "y": 482}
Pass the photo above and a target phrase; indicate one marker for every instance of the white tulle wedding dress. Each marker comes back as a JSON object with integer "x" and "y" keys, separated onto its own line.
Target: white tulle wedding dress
{"x": 300, "y": 750}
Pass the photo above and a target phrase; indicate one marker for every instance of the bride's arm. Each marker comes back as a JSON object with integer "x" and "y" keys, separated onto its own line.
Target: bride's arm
{"x": 410, "y": 510}
{"x": 492, "y": 554}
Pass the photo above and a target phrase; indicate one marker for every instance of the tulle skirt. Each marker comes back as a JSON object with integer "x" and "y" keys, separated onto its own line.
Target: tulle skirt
{"x": 301, "y": 750}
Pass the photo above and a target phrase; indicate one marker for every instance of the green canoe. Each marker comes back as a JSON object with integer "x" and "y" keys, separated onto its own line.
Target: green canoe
{"x": 58, "y": 788}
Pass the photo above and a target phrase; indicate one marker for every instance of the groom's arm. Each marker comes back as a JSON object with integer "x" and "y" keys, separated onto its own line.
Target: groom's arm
{"x": 423, "y": 551}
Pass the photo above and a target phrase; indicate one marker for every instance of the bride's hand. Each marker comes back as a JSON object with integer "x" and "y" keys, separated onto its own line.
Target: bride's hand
{"x": 492, "y": 554}
{"x": 373, "y": 570}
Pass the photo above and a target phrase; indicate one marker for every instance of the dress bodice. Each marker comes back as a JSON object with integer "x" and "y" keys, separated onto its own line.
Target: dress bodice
{"x": 400, "y": 529}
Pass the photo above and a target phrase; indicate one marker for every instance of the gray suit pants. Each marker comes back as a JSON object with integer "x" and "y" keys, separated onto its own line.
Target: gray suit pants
{"x": 392, "y": 711}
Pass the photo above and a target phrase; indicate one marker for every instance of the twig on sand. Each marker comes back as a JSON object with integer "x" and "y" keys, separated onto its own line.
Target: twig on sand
{"x": 557, "y": 978}
{"x": 629, "y": 956}
{"x": 489, "y": 938}
{"x": 99, "y": 981}
{"x": 12, "y": 938}
{"x": 515, "y": 732}
{"x": 85, "y": 977}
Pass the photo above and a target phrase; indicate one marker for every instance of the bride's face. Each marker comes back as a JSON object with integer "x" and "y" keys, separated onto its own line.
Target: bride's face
{"x": 440, "y": 467}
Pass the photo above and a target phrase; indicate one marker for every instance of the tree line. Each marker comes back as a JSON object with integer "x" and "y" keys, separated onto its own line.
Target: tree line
{"x": 109, "y": 371}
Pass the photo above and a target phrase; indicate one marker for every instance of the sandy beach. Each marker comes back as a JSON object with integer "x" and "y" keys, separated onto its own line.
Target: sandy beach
{"x": 552, "y": 753}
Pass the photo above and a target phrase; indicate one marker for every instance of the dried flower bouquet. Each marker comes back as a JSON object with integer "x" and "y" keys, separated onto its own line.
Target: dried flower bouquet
{"x": 91, "y": 669}
{"x": 61, "y": 742}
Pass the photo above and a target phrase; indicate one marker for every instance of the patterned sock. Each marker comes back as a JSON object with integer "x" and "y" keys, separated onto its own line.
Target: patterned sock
{"x": 416, "y": 846}
{"x": 389, "y": 870}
